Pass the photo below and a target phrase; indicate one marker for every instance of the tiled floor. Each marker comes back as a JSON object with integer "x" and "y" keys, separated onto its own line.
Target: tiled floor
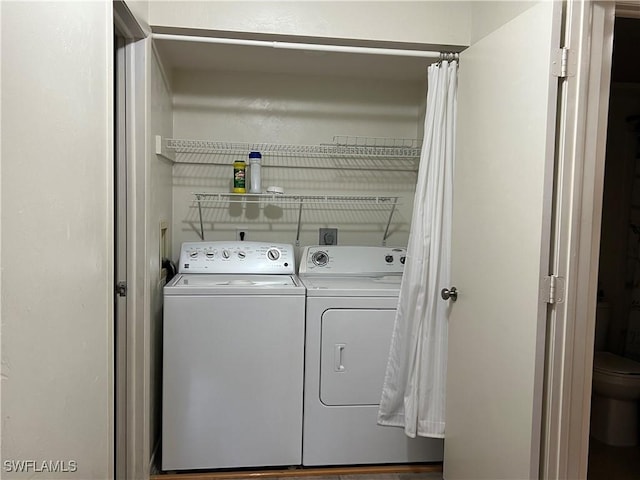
{"x": 608, "y": 463}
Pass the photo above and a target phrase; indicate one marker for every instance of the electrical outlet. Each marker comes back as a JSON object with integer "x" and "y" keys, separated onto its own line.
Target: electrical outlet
{"x": 328, "y": 236}
{"x": 241, "y": 234}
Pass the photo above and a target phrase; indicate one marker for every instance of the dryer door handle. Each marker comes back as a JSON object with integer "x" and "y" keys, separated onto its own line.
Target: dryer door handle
{"x": 338, "y": 350}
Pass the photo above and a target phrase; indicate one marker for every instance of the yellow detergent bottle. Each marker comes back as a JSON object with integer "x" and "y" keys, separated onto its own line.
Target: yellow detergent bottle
{"x": 239, "y": 175}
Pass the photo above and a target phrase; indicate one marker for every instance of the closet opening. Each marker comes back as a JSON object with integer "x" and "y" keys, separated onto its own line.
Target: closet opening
{"x": 614, "y": 450}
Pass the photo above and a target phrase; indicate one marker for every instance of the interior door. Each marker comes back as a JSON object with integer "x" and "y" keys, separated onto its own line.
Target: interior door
{"x": 500, "y": 248}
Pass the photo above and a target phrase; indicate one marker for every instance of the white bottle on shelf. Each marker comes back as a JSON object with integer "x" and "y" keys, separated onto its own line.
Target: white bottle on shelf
{"x": 255, "y": 158}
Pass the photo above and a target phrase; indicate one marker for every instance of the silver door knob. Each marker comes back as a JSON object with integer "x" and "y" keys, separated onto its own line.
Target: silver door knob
{"x": 447, "y": 294}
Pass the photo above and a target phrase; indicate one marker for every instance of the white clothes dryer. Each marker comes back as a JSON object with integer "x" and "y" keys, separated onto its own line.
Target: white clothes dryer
{"x": 352, "y": 297}
{"x": 233, "y": 353}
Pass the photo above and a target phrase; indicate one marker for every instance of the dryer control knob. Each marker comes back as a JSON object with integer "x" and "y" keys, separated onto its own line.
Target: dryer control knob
{"x": 388, "y": 258}
{"x": 320, "y": 258}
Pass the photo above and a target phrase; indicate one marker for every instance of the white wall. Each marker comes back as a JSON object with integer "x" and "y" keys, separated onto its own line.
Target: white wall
{"x": 487, "y": 16}
{"x": 432, "y": 22}
{"x": 57, "y": 236}
{"x": 298, "y": 109}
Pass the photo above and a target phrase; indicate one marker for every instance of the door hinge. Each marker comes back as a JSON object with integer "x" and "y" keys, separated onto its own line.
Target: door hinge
{"x": 553, "y": 289}
{"x": 563, "y": 64}
{"x": 121, "y": 289}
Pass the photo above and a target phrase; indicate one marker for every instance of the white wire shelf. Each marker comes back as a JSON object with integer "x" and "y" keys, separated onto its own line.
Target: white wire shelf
{"x": 283, "y": 199}
{"x": 341, "y": 150}
{"x": 375, "y": 153}
{"x": 385, "y": 204}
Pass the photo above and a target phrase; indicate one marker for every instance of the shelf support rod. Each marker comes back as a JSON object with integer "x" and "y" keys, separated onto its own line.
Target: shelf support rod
{"x": 386, "y": 230}
{"x": 198, "y": 198}
{"x": 299, "y": 222}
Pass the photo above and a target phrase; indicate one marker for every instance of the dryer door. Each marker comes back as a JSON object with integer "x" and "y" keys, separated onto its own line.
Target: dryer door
{"x": 355, "y": 349}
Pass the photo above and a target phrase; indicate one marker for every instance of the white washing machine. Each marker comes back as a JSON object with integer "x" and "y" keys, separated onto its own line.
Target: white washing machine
{"x": 352, "y": 296}
{"x": 233, "y": 357}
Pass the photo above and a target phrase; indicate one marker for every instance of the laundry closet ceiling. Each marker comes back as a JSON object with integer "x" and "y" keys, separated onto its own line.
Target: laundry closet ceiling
{"x": 258, "y": 59}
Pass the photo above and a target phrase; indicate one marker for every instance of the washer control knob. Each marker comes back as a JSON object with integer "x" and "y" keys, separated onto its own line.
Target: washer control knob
{"x": 225, "y": 254}
{"x": 320, "y": 258}
{"x": 193, "y": 254}
{"x": 273, "y": 254}
{"x": 402, "y": 259}
{"x": 388, "y": 258}
{"x": 210, "y": 254}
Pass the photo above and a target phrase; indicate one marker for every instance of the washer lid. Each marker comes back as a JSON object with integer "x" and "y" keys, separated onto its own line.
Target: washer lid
{"x": 349, "y": 286}
{"x": 195, "y": 283}
{"x": 608, "y": 362}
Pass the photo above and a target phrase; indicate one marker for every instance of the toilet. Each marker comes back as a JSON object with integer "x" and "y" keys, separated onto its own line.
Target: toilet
{"x": 615, "y": 391}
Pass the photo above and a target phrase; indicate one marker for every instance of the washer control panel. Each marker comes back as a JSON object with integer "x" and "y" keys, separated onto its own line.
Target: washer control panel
{"x": 352, "y": 260}
{"x": 237, "y": 257}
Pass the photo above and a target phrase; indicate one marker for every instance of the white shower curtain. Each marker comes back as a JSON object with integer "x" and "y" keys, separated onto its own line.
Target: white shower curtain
{"x": 413, "y": 394}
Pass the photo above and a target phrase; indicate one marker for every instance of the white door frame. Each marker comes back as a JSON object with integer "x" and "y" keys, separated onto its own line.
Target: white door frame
{"x": 132, "y": 356}
{"x": 121, "y": 266}
{"x": 576, "y": 242}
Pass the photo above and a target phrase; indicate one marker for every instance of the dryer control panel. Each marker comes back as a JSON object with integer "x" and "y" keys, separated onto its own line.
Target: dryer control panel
{"x": 237, "y": 257}
{"x": 352, "y": 260}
